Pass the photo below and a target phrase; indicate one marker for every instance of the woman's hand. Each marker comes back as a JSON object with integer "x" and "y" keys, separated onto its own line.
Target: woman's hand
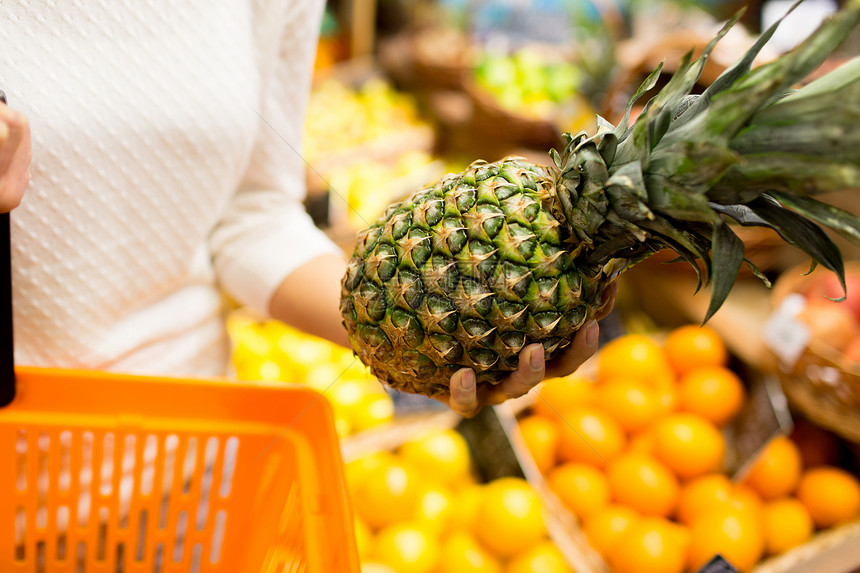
{"x": 465, "y": 400}
{"x": 15, "y": 155}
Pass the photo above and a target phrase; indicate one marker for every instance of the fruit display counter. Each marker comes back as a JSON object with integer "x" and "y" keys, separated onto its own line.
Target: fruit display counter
{"x": 634, "y": 459}
{"x": 640, "y": 451}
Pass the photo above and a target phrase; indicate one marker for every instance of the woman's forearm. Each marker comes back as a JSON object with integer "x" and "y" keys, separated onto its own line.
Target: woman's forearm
{"x": 309, "y": 298}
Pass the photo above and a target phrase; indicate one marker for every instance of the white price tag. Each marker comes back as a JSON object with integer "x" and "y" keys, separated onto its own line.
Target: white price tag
{"x": 784, "y": 334}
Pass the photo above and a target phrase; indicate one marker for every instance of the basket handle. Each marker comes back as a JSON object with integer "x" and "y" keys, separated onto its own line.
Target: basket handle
{"x": 7, "y": 354}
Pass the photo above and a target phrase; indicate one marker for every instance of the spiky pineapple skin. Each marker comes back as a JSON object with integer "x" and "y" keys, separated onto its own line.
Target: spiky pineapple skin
{"x": 465, "y": 273}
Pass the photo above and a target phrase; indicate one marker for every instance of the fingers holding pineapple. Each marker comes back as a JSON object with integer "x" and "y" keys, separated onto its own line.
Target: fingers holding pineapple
{"x": 467, "y": 400}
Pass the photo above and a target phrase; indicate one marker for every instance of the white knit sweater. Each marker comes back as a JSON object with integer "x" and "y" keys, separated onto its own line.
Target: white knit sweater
{"x": 166, "y": 171}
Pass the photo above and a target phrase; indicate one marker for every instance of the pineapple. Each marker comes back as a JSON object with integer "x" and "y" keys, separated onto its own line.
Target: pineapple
{"x": 467, "y": 271}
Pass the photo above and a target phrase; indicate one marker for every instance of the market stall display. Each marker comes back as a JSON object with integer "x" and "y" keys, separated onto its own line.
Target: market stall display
{"x": 640, "y": 446}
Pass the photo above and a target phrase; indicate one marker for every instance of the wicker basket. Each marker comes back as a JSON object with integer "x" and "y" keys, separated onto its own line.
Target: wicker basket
{"x": 442, "y": 58}
{"x": 506, "y": 127}
{"x": 821, "y": 384}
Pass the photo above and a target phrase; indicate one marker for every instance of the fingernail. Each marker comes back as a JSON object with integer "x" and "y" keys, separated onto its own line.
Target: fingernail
{"x": 536, "y": 358}
{"x": 591, "y": 333}
{"x": 467, "y": 382}
{"x": 4, "y": 132}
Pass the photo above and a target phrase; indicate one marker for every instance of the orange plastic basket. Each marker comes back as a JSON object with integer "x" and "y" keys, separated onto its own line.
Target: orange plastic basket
{"x": 111, "y": 473}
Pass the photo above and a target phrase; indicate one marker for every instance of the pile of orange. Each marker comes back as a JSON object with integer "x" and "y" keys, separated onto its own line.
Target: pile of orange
{"x": 636, "y": 452}
{"x": 419, "y": 509}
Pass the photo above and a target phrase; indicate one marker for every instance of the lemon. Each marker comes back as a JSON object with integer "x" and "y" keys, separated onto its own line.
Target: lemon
{"x": 466, "y": 503}
{"x": 407, "y": 548}
{"x": 509, "y": 518}
{"x": 356, "y": 470}
{"x": 387, "y": 493}
{"x": 436, "y": 507}
{"x": 372, "y": 410}
{"x": 442, "y": 455}
{"x": 461, "y": 553}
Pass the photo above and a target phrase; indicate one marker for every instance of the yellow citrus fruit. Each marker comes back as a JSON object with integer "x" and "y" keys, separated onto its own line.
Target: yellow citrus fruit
{"x": 372, "y": 410}
{"x": 703, "y": 494}
{"x": 786, "y": 523}
{"x": 632, "y": 356}
{"x": 689, "y": 444}
{"x": 461, "y": 553}
{"x": 509, "y": 518}
{"x": 363, "y": 538}
{"x": 436, "y": 507}
{"x": 714, "y": 393}
{"x": 356, "y": 470}
{"x": 441, "y": 455}
{"x": 589, "y": 435}
{"x": 407, "y": 548}
{"x": 736, "y": 535}
{"x": 643, "y": 483}
{"x": 605, "y": 526}
{"x": 558, "y": 395}
{"x": 387, "y": 494}
{"x": 467, "y": 499}
{"x": 634, "y": 404}
{"x": 690, "y": 346}
{"x": 776, "y": 470}
{"x": 652, "y": 544}
{"x": 544, "y": 557}
{"x": 540, "y": 435}
{"x": 583, "y": 488}
{"x": 831, "y": 494}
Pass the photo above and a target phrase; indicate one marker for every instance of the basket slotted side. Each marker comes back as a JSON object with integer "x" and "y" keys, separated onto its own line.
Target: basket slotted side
{"x": 133, "y": 474}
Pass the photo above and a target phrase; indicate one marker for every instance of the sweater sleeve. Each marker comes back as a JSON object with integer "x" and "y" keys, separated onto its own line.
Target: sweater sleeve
{"x": 265, "y": 233}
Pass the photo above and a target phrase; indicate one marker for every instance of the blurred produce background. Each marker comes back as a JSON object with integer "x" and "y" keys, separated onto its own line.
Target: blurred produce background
{"x": 675, "y": 442}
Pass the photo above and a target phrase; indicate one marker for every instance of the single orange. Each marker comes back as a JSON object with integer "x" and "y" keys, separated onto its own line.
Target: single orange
{"x": 642, "y": 482}
{"x": 583, "y": 488}
{"x": 702, "y": 494}
{"x": 631, "y": 356}
{"x": 786, "y": 523}
{"x": 689, "y": 444}
{"x": 607, "y": 525}
{"x": 558, "y": 395}
{"x": 651, "y": 544}
{"x": 589, "y": 435}
{"x": 736, "y": 535}
{"x": 776, "y": 470}
{"x": 690, "y": 347}
{"x": 745, "y": 498}
{"x": 540, "y": 436}
{"x": 831, "y": 494}
{"x": 633, "y": 403}
{"x": 713, "y": 392}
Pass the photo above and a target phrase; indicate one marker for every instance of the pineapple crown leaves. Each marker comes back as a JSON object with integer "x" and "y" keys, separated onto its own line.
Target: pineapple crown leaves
{"x": 749, "y": 150}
